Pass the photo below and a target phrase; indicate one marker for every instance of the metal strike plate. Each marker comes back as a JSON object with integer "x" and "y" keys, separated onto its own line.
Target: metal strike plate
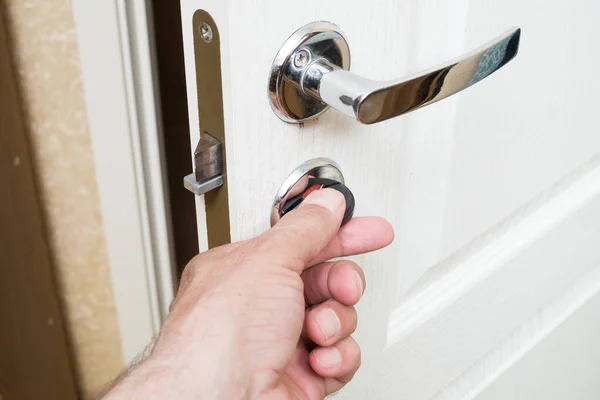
{"x": 210, "y": 166}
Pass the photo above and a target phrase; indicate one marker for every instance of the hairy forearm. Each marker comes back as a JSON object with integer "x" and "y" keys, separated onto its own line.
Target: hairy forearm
{"x": 157, "y": 379}
{"x": 170, "y": 370}
{"x": 141, "y": 381}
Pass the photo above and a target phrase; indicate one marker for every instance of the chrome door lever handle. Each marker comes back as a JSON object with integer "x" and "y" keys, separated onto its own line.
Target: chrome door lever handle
{"x": 310, "y": 73}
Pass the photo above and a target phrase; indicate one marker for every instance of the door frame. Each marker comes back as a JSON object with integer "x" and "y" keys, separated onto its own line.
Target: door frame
{"x": 116, "y": 50}
{"x": 34, "y": 337}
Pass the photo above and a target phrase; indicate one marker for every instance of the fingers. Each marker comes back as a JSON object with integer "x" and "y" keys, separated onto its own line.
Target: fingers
{"x": 342, "y": 280}
{"x": 330, "y": 322}
{"x": 338, "y": 362}
{"x": 303, "y": 233}
{"x": 358, "y": 236}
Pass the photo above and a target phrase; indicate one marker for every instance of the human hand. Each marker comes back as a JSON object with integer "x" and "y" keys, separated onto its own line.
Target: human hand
{"x": 265, "y": 318}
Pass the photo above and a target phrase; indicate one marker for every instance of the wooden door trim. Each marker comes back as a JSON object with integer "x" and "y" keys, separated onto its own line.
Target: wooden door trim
{"x": 119, "y": 77}
{"x": 36, "y": 359}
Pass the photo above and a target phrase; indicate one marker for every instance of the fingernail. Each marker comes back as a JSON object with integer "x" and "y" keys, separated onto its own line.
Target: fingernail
{"x": 329, "y": 357}
{"x": 328, "y": 322}
{"x": 328, "y": 198}
{"x": 359, "y": 283}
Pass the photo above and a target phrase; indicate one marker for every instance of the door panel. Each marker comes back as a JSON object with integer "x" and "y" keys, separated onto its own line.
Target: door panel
{"x": 557, "y": 369}
{"x": 494, "y": 193}
{"x": 523, "y": 132}
{"x": 465, "y": 306}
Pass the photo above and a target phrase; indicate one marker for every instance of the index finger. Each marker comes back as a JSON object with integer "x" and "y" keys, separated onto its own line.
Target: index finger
{"x": 360, "y": 235}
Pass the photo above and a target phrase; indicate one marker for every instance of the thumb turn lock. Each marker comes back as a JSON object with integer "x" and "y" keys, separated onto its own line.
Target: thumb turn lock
{"x": 315, "y": 174}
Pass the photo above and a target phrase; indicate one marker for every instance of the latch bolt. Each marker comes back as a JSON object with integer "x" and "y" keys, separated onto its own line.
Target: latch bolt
{"x": 208, "y": 171}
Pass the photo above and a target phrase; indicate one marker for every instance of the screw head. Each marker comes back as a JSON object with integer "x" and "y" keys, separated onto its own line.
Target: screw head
{"x": 301, "y": 58}
{"x": 206, "y": 32}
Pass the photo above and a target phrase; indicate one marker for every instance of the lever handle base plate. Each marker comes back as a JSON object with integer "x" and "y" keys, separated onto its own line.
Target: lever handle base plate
{"x": 317, "y": 40}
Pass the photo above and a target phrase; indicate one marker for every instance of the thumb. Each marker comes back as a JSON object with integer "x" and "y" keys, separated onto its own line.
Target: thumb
{"x": 301, "y": 234}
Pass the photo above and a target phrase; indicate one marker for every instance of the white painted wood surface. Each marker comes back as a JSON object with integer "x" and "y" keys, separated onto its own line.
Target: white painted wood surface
{"x": 557, "y": 369}
{"x": 552, "y": 341}
{"x": 463, "y": 307}
{"x": 494, "y": 194}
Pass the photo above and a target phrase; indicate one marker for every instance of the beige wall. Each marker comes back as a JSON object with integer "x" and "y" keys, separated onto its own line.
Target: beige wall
{"x": 44, "y": 42}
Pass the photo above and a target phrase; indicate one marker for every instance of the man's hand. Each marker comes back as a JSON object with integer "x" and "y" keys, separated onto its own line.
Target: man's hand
{"x": 266, "y": 318}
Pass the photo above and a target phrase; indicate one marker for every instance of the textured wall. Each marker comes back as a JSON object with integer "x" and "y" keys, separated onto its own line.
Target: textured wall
{"x": 44, "y": 43}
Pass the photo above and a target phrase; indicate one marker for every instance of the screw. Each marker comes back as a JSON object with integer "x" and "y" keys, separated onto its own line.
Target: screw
{"x": 301, "y": 58}
{"x": 206, "y": 32}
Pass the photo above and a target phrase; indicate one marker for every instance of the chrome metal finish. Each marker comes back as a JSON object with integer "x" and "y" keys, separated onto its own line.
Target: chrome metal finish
{"x": 208, "y": 164}
{"x": 191, "y": 184}
{"x": 208, "y": 158}
{"x": 206, "y": 32}
{"x": 301, "y": 59}
{"x": 318, "y": 40}
{"x": 297, "y": 181}
{"x": 300, "y": 94}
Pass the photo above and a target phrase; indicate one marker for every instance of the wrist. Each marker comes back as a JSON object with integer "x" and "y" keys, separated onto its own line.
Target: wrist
{"x": 155, "y": 378}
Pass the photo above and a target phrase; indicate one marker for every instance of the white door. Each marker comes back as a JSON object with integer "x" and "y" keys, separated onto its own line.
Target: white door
{"x": 494, "y": 193}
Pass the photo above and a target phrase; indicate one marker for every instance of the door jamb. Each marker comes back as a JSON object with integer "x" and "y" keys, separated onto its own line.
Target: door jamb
{"x": 116, "y": 49}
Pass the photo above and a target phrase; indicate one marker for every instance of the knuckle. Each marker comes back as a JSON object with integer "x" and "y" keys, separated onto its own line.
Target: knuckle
{"x": 358, "y": 353}
{"x": 190, "y": 269}
{"x": 354, "y": 352}
{"x": 311, "y": 291}
{"x": 318, "y": 217}
{"x": 311, "y": 220}
{"x": 354, "y": 321}
{"x": 172, "y": 305}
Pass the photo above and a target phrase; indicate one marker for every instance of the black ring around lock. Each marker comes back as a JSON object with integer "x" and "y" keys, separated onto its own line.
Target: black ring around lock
{"x": 317, "y": 184}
